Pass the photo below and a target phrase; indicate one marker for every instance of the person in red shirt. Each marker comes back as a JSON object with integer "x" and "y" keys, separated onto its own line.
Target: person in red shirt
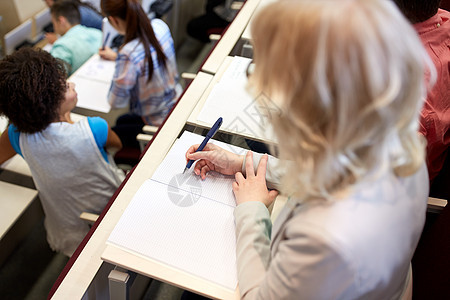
{"x": 433, "y": 26}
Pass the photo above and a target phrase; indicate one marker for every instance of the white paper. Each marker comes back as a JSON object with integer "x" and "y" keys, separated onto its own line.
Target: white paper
{"x": 97, "y": 69}
{"x": 92, "y": 83}
{"x": 237, "y": 69}
{"x": 242, "y": 113}
{"x": 183, "y": 221}
{"x": 91, "y": 94}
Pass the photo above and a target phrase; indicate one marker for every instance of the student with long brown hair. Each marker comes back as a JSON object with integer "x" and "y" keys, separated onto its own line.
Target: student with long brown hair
{"x": 146, "y": 76}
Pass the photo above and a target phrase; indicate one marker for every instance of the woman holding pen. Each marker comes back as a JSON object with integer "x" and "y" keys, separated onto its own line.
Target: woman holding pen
{"x": 350, "y": 156}
{"x": 146, "y": 76}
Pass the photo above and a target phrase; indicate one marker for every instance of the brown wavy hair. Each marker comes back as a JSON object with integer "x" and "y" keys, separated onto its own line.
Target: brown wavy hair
{"x": 32, "y": 87}
{"x": 138, "y": 26}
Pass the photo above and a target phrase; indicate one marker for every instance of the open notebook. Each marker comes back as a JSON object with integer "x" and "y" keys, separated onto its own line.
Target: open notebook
{"x": 182, "y": 221}
{"x": 92, "y": 82}
{"x": 243, "y": 113}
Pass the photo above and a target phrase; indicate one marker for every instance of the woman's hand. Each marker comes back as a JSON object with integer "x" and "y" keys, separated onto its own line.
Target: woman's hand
{"x": 214, "y": 158}
{"x": 107, "y": 53}
{"x": 253, "y": 187}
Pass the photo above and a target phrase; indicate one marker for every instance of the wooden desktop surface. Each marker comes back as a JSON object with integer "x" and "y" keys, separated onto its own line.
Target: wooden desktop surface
{"x": 230, "y": 38}
{"x": 246, "y": 35}
{"x": 80, "y": 275}
{"x": 15, "y": 199}
{"x": 193, "y": 118}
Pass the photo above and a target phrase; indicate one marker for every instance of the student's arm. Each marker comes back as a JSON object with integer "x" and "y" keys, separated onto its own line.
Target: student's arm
{"x": 107, "y": 54}
{"x": 113, "y": 143}
{"x": 214, "y": 158}
{"x": 51, "y": 37}
{"x": 104, "y": 137}
{"x": 306, "y": 261}
{"x": 6, "y": 149}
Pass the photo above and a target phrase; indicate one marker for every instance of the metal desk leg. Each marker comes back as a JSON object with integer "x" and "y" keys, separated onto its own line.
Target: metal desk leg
{"x": 120, "y": 281}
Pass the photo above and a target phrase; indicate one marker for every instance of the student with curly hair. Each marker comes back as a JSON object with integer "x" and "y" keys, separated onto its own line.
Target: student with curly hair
{"x": 68, "y": 161}
{"x": 146, "y": 76}
{"x": 350, "y": 91}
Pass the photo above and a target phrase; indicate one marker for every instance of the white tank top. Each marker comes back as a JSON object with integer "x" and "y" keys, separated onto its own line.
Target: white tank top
{"x": 71, "y": 176}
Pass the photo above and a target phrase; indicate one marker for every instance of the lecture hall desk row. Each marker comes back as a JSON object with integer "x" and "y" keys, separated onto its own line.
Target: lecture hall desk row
{"x": 77, "y": 279}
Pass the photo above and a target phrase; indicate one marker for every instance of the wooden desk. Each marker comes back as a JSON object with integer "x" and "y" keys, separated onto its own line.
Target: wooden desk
{"x": 79, "y": 277}
{"x": 230, "y": 38}
{"x": 230, "y": 127}
{"x": 20, "y": 210}
{"x": 16, "y": 164}
{"x": 246, "y": 35}
{"x": 15, "y": 199}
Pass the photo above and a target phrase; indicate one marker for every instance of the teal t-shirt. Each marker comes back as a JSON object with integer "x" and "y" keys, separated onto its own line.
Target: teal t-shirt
{"x": 77, "y": 45}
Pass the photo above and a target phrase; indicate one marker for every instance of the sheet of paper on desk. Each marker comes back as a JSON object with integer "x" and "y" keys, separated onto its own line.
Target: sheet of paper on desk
{"x": 92, "y": 94}
{"x": 98, "y": 69}
{"x": 182, "y": 221}
{"x": 237, "y": 69}
{"x": 241, "y": 112}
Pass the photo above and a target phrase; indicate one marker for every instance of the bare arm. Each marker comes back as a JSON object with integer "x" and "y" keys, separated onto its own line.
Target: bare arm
{"x": 113, "y": 143}
{"x": 6, "y": 149}
{"x": 107, "y": 54}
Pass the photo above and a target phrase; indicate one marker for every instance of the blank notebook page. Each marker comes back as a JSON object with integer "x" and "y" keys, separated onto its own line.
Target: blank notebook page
{"x": 242, "y": 112}
{"x": 183, "y": 221}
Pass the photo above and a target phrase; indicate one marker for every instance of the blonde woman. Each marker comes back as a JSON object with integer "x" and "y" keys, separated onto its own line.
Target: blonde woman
{"x": 348, "y": 78}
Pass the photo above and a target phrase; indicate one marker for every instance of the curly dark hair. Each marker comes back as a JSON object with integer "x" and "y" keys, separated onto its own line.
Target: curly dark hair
{"x": 32, "y": 87}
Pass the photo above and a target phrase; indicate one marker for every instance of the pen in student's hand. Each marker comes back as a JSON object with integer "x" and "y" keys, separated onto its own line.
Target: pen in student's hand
{"x": 105, "y": 41}
{"x": 209, "y": 135}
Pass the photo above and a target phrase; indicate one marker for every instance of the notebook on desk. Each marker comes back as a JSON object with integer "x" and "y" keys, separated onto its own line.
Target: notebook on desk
{"x": 92, "y": 83}
{"x": 243, "y": 113}
{"x": 182, "y": 221}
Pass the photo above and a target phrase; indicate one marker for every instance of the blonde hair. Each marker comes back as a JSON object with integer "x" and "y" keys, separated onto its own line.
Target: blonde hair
{"x": 348, "y": 77}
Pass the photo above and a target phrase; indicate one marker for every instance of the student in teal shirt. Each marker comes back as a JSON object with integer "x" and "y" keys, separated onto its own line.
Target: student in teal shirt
{"x": 77, "y": 42}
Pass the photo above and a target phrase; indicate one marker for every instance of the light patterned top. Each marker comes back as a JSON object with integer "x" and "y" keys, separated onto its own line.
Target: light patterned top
{"x": 151, "y": 100}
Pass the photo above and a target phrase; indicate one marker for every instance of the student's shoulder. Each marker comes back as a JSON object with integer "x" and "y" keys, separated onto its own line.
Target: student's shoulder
{"x": 14, "y": 136}
{"x": 159, "y": 26}
{"x": 97, "y": 122}
{"x": 131, "y": 50}
{"x": 92, "y": 31}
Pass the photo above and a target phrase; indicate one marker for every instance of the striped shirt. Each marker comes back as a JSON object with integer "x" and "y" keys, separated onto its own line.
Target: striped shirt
{"x": 151, "y": 100}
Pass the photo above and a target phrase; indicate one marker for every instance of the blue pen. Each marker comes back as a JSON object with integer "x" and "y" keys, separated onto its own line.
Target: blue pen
{"x": 209, "y": 135}
{"x": 105, "y": 41}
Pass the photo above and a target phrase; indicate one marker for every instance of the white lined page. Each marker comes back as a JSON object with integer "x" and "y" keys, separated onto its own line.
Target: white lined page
{"x": 242, "y": 113}
{"x": 98, "y": 69}
{"x": 183, "y": 221}
{"x": 199, "y": 239}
